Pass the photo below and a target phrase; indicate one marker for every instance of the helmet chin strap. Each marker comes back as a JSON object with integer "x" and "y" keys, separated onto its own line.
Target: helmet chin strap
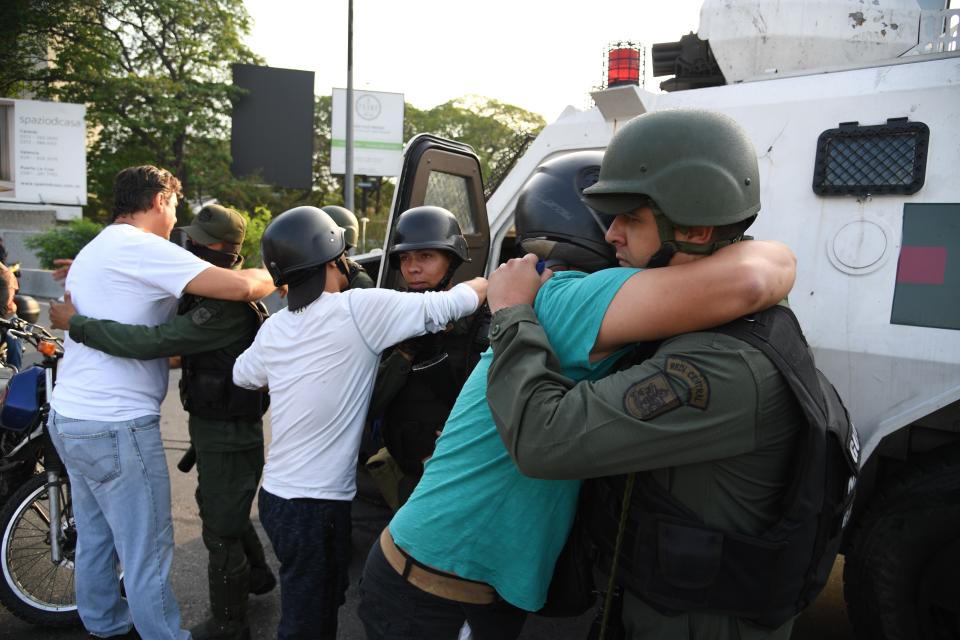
{"x": 447, "y": 277}
{"x": 670, "y": 246}
{"x": 342, "y": 267}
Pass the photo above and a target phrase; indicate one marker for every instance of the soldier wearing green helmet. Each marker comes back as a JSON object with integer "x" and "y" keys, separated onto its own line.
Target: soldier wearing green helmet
{"x": 704, "y": 423}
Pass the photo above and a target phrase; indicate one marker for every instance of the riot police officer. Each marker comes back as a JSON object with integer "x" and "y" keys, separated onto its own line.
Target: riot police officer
{"x": 225, "y": 424}
{"x": 418, "y": 381}
{"x": 553, "y": 220}
{"x": 358, "y": 278}
{"x": 707, "y": 421}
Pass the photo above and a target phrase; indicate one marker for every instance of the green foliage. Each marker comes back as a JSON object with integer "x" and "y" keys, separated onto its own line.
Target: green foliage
{"x": 154, "y": 74}
{"x": 63, "y": 241}
{"x": 489, "y": 126}
{"x": 155, "y": 77}
{"x": 256, "y": 223}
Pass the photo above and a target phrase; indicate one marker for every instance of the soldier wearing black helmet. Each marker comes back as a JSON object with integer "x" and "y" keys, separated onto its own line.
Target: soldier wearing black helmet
{"x": 419, "y": 379}
{"x": 358, "y": 278}
{"x": 226, "y": 430}
{"x": 326, "y": 341}
{"x": 707, "y": 423}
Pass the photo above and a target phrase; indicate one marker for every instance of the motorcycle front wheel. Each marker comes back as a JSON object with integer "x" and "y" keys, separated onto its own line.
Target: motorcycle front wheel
{"x": 34, "y": 588}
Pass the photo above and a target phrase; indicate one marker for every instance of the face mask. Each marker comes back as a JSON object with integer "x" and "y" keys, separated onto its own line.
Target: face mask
{"x": 216, "y": 258}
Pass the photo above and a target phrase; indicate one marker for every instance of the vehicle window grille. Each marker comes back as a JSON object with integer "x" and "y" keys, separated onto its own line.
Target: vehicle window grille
{"x": 878, "y": 159}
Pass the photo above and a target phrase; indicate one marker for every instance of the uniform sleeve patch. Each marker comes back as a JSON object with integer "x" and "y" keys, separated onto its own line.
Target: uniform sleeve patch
{"x": 692, "y": 377}
{"x": 201, "y": 315}
{"x": 651, "y": 397}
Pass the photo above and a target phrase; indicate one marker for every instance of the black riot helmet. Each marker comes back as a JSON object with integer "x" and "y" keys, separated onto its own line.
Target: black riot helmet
{"x": 345, "y": 218}
{"x": 553, "y": 219}
{"x": 429, "y": 227}
{"x": 299, "y": 240}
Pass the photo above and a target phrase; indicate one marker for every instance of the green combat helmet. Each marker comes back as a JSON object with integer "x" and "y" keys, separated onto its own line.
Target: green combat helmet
{"x": 691, "y": 167}
{"x": 346, "y": 220}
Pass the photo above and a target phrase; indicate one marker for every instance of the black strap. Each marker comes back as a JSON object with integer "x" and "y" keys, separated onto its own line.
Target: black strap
{"x": 608, "y": 598}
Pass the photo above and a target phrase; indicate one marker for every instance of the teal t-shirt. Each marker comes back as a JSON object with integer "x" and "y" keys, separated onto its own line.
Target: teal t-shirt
{"x": 473, "y": 513}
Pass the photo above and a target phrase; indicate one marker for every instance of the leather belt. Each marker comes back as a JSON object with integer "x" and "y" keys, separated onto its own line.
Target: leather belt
{"x": 434, "y": 582}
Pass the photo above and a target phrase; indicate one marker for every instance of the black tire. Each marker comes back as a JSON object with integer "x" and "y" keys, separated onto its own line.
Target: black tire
{"x": 32, "y": 587}
{"x": 900, "y": 573}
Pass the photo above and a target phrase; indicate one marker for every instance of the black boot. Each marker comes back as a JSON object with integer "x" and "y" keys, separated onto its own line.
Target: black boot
{"x": 228, "y": 607}
{"x": 262, "y": 579}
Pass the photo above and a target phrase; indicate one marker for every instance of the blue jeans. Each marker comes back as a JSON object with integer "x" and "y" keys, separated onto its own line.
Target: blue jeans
{"x": 121, "y": 501}
{"x": 312, "y": 541}
{"x": 14, "y": 351}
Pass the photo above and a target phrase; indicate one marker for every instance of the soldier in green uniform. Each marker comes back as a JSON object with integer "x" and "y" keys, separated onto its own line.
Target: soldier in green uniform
{"x": 357, "y": 278}
{"x": 419, "y": 379}
{"x": 226, "y": 429}
{"x": 707, "y": 420}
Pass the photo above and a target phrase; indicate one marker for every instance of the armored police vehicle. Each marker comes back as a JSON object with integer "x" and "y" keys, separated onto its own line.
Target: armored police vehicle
{"x": 853, "y": 107}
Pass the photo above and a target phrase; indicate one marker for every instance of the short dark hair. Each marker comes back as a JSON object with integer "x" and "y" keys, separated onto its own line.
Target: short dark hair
{"x": 135, "y": 187}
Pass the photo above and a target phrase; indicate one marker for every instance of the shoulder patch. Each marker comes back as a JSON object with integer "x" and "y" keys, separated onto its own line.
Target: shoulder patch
{"x": 692, "y": 377}
{"x": 651, "y": 397}
{"x": 201, "y": 315}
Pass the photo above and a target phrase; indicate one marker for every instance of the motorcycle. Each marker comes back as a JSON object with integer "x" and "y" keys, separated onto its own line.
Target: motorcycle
{"x": 37, "y": 529}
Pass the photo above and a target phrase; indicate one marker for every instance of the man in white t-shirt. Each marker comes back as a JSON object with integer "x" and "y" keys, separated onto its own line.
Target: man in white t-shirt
{"x": 319, "y": 359}
{"x": 105, "y": 421}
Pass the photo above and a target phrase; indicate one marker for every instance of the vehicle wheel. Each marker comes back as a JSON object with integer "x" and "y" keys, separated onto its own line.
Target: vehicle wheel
{"x": 33, "y": 588}
{"x": 900, "y": 574}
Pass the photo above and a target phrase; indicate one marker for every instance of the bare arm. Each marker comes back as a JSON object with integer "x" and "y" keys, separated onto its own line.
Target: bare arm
{"x": 735, "y": 281}
{"x": 229, "y": 284}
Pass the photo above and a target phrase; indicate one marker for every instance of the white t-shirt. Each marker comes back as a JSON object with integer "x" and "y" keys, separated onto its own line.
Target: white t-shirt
{"x": 320, "y": 363}
{"x": 131, "y": 276}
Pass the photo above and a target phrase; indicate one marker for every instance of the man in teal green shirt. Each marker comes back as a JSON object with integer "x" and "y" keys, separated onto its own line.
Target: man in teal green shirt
{"x": 706, "y": 421}
{"x": 478, "y": 540}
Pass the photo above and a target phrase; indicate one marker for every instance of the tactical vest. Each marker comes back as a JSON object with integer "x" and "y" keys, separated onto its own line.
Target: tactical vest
{"x": 436, "y": 376}
{"x": 676, "y": 563}
{"x": 206, "y": 384}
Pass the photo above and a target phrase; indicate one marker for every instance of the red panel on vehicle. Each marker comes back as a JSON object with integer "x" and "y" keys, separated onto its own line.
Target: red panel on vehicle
{"x": 922, "y": 265}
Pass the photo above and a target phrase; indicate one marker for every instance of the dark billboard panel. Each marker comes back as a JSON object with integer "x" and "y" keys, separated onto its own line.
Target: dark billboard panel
{"x": 272, "y": 132}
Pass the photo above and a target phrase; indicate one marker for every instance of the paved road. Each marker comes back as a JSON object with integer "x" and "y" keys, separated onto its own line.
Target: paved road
{"x": 826, "y": 620}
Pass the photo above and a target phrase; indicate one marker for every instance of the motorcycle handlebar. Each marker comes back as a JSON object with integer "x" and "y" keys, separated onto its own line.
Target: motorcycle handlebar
{"x": 33, "y": 333}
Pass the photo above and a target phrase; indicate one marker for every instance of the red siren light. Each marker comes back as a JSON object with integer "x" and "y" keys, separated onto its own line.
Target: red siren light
{"x": 624, "y": 64}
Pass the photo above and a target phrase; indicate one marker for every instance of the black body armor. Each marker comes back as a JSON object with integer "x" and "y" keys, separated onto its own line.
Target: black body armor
{"x": 440, "y": 368}
{"x": 675, "y": 562}
{"x": 206, "y": 385}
